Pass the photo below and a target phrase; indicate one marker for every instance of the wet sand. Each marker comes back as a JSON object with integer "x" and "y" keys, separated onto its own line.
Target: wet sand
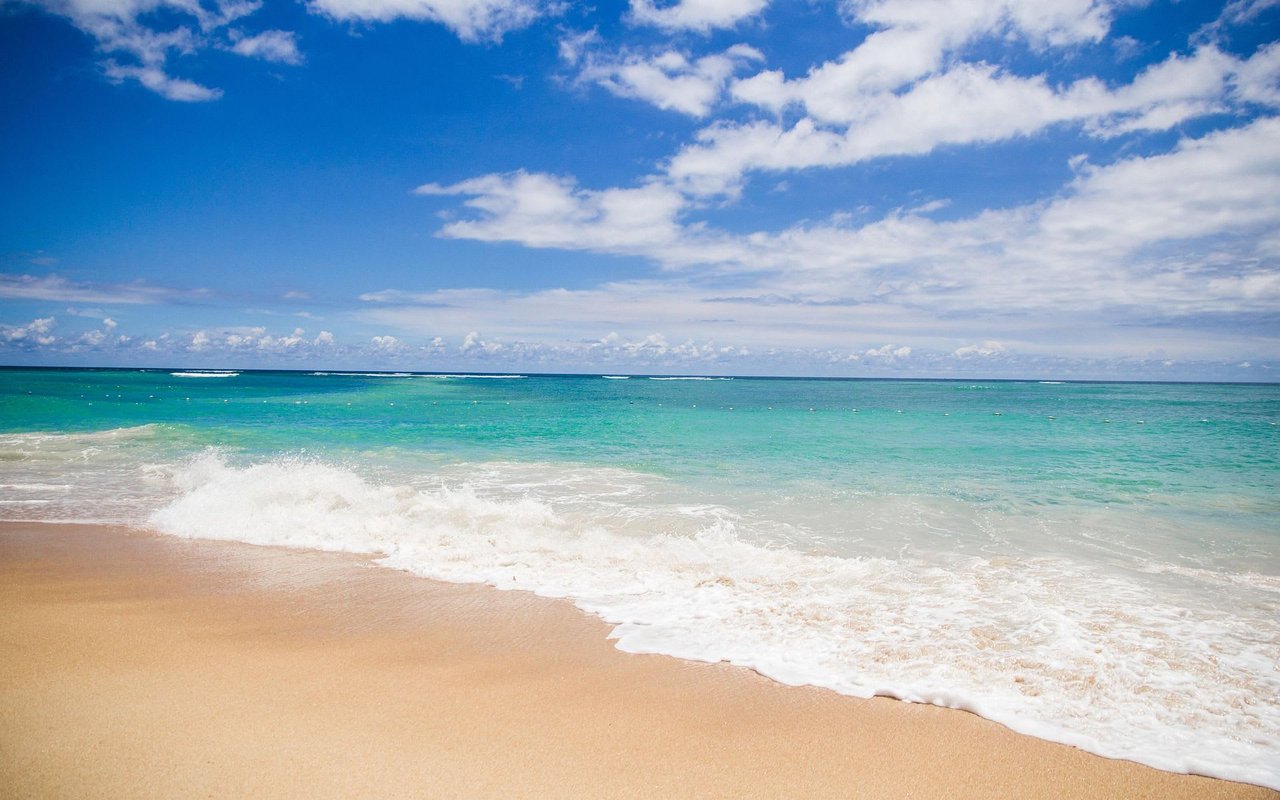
{"x": 138, "y": 666}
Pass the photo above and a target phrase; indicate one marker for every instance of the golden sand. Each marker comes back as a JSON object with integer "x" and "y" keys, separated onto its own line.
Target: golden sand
{"x": 135, "y": 666}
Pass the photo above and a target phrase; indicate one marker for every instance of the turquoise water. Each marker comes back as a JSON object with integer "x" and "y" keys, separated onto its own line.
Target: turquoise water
{"x": 1091, "y": 563}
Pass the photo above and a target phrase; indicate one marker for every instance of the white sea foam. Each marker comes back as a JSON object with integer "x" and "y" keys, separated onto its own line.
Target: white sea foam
{"x": 205, "y": 374}
{"x": 616, "y": 377}
{"x": 62, "y": 521}
{"x": 690, "y": 378}
{"x": 1047, "y": 646}
{"x": 61, "y": 475}
{"x": 1251, "y": 580}
{"x": 57, "y": 443}
{"x": 367, "y": 374}
{"x": 464, "y": 375}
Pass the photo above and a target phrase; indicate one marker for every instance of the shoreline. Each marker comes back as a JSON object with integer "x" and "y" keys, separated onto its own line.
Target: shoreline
{"x": 137, "y": 665}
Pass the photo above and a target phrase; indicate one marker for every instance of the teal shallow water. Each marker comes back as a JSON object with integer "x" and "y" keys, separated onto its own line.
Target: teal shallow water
{"x": 1190, "y": 452}
{"x": 1000, "y": 546}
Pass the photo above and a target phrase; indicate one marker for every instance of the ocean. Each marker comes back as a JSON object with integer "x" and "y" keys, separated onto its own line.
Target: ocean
{"x": 1092, "y": 563}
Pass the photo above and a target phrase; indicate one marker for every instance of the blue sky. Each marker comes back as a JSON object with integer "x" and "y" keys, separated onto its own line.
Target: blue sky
{"x": 1004, "y": 188}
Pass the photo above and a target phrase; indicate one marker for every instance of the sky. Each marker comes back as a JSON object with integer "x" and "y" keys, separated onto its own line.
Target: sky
{"x": 1063, "y": 189}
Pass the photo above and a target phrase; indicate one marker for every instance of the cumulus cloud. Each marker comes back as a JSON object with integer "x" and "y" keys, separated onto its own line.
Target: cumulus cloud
{"x": 987, "y": 349}
{"x": 259, "y": 340}
{"x": 470, "y": 20}
{"x": 475, "y": 344}
{"x": 37, "y": 331}
{"x": 709, "y": 346}
{"x": 670, "y": 80}
{"x": 278, "y": 46}
{"x": 92, "y": 338}
{"x": 236, "y": 345}
{"x": 886, "y": 354}
{"x": 702, "y": 16}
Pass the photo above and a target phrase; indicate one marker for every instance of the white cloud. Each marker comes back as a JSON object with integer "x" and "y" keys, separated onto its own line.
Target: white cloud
{"x": 911, "y": 39}
{"x": 1258, "y": 79}
{"x": 660, "y": 332}
{"x": 987, "y": 349}
{"x": 145, "y": 33}
{"x": 669, "y": 80}
{"x": 59, "y": 289}
{"x": 1236, "y": 12}
{"x": 245, "y": 346}
{"x": 1143, "y": 234}
{"x": 471, "y": 20}
{"x": 574, "y": 45}
{"x": 161, "y": 83}
{"x": 258, "y": 339}
{"x": 541, "y": 210}
{"x": 158, "y": 81}
{"x": 904, "y": 91}
{"x": 1241, "y": 11}
{"x": 37, "y": 331}
{"x": 867, "y": 117}
{"x": 1226, "y": 182}
{"x": 1177, "y": 89}
{"x": 474, "y": 344}
{"x": 885, "y": 354}
{"x": 278, "y": 46}
{"x": 696, "y": 15}
{"x": 1149, "y": 235}
{"x": 680, "y": 326}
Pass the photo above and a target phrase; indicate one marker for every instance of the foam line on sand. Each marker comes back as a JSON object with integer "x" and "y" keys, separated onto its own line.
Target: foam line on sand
{"x": 139, "y": 666}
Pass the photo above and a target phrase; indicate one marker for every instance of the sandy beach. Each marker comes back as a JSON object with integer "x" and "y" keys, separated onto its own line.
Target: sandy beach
{"x": 139, "y": 666}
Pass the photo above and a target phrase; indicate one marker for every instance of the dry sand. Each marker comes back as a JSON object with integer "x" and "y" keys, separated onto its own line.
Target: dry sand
{"x": 135, "y": 666}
